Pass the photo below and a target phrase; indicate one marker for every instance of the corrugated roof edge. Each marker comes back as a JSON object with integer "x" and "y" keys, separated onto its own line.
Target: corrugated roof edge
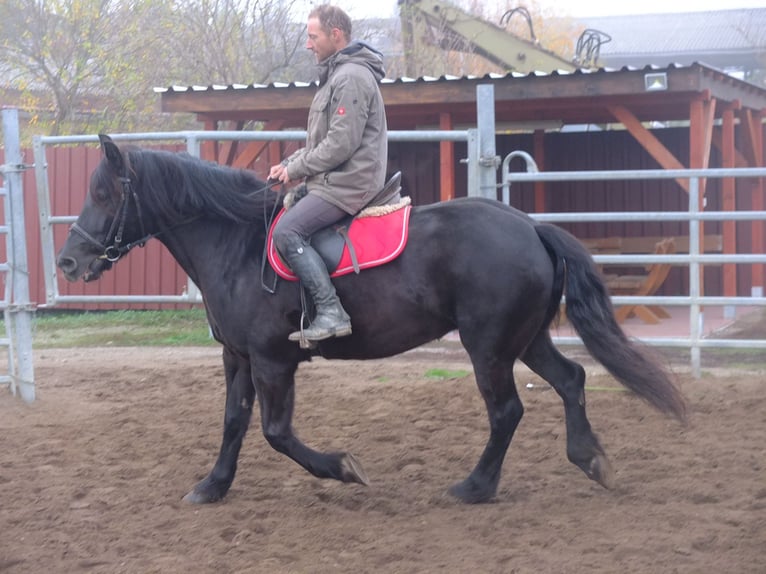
{"x": 451, "y": 78}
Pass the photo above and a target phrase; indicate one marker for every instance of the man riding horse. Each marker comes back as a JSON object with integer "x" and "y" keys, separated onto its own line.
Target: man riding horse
{"x": 343, "y": 163}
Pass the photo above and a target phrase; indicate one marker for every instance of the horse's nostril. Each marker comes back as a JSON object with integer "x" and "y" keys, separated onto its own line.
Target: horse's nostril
{"x": 67, "y": 264}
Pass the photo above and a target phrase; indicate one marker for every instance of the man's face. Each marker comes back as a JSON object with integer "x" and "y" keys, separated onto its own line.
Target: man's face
{"x": 322, "y": 44}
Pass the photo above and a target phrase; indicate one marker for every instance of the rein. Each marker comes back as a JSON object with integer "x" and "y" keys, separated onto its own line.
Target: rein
{"x": 267, "y": 221}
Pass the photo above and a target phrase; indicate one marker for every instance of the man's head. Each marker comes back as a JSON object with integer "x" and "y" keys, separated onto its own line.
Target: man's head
{"x": 329, "y": 31}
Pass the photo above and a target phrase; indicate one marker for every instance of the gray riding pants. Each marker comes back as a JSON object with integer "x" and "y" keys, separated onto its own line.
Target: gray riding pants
{"x": 305, "y": 218}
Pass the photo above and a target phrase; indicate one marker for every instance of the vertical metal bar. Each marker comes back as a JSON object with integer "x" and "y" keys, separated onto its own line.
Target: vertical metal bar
{"x": 7, "y": 294}
{"x": 192, "y": 291}
{"x": 20, "y": 308}
{"x": 696, "y": 317}
{"x": 193, "y": 146}
{"x": 506, "y": 171}
{"x": 473, "y": 163}
{"x": 46, "y": 229}
{"x": 488, "y": 161}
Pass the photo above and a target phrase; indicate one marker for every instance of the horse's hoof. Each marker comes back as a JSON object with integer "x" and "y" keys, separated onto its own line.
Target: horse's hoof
{"x": 351, "y": 470}
{"x": 195, "y": 497}
{"x": 470, "y": 492}
{"x": 601, "y": 471}
{"x": 201, "y": 496}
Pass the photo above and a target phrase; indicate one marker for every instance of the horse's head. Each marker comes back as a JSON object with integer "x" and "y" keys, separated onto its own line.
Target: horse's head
{"x": 110, "y": 222}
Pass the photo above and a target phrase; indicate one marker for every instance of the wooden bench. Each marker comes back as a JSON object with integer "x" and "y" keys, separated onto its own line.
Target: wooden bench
{"x": 639, "y": 280}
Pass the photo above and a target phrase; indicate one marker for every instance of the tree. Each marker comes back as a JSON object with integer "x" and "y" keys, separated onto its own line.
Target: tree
{"x": 236, "y": 41}
{"x": 752, "y": 66}
{"x": 87, "y": 65}
{"x": 75, "y": 58}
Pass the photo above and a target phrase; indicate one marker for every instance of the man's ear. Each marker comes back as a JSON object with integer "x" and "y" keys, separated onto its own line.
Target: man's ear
{"x": 112, "y": 153}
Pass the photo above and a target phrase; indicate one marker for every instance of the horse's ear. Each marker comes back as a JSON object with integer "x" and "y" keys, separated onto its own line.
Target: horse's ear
{"x": 112, "y": 153}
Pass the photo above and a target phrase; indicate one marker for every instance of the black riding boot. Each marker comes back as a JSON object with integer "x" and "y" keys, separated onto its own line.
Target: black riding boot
{"x": 331, "y": 319}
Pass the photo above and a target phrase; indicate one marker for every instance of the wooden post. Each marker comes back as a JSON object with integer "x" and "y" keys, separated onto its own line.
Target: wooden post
{"x": 728, "y": 191}
{"x": 539, "y": 155}
{"x": 227, "y": 150}
{"x": 446, "y": 161}
{"x": 759, "y": 189}
{"x": 208, "y": 148}
{"x": 752, "y": 133}
{"x": 274, "y": 154}
{"x": 701, "y": 116}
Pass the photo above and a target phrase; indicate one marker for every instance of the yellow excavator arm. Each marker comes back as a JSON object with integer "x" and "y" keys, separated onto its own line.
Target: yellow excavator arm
{"x": 460, "y": 31}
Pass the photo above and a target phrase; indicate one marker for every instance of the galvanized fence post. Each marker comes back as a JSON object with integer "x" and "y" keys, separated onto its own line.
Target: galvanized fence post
{"x": 696, "y": 316}
{"x": 473, "y": 163}
{"x": 488, "y": 159}
{"x": 20, "y": 309}
{"x": 44, "y": 215}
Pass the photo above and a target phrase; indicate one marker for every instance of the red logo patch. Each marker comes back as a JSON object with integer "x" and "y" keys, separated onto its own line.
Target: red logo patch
{"x": 341, "y": 111}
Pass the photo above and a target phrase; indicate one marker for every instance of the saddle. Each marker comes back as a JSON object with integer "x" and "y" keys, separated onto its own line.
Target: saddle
{"x": 376, "y": 235}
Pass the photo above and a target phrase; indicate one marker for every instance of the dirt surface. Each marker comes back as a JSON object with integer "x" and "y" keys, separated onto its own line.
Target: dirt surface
{"x": 93, "y": 472}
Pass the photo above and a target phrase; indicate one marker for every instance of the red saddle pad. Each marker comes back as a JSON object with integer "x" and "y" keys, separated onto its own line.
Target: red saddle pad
{"x": 377, "y": 239}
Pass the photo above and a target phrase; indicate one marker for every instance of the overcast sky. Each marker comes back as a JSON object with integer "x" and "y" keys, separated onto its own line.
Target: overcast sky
{"x": 386, "y": 8}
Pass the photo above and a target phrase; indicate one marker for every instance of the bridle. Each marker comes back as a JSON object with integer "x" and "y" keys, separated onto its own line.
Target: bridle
{"x": 112, "y": 248}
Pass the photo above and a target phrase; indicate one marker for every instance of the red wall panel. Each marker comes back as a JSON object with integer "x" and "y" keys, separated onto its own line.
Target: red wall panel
{"x": 152, "y": 270}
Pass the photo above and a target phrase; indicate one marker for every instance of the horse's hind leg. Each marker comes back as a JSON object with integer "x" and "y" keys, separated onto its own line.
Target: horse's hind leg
{"x": 498, "y": 389}
{"x": 240, "y": 395}
{"x": 568, "y": 379}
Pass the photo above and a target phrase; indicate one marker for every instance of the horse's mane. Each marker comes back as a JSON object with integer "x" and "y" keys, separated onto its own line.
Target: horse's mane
{"x": 176, "y": 186}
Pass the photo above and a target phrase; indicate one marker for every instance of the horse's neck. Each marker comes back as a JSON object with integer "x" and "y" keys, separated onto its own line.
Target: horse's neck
{"x": 211, "y": 250}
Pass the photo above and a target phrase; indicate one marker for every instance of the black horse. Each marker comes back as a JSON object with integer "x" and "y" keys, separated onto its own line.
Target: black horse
{"x": 474, "y": 265}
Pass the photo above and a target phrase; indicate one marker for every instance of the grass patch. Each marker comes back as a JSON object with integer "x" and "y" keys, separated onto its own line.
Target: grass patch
{"x": 187, "y": 327}
{"x": 607, "y": 389}
{"x": 443, "y": 374}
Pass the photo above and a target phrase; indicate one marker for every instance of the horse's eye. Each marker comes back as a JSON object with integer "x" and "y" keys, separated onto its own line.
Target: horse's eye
{"x": 100, "y": 195}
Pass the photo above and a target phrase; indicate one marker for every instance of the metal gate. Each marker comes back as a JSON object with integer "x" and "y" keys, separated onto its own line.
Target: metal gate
{"x": 15, "y": 304}
{"x": 696, "y": 301}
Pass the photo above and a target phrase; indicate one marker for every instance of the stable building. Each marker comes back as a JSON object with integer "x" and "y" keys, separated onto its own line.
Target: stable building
{"x": 672, "y": 117}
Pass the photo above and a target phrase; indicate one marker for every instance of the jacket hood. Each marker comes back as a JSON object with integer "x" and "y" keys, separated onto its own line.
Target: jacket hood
{"x": 359, "y": 53}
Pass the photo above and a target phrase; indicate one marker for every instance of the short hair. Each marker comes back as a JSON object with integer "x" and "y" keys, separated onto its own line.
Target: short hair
{"x": 330, "y": 17}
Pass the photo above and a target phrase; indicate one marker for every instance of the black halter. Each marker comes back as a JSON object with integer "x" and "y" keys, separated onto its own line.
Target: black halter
{"x": 112, "y": 248}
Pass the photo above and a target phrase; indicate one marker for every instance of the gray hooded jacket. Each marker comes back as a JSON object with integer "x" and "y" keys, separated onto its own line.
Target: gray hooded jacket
{"x": 346, "y": 154}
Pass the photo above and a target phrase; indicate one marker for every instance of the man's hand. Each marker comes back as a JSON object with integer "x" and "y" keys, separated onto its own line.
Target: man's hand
{"x": 279, "y": 173}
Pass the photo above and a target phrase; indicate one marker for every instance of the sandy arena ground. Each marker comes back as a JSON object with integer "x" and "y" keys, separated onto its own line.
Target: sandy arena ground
{"x": 92, "y": 475}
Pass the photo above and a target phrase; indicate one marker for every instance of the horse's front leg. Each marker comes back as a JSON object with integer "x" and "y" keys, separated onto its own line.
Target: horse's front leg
{"x": 275, "y": 384}
{"x": 240, "y": 395}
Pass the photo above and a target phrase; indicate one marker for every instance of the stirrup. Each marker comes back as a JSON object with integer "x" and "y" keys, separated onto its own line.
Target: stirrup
{"x": 303, "y": 342}
{"x": 300, "y": 336}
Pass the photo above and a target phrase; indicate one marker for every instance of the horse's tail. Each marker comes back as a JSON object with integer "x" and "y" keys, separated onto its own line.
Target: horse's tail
{"x": 590, "y": 311}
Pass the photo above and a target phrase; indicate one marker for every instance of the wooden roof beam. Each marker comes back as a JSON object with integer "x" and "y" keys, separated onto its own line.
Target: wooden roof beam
{"x": 701, "y": 117}
{"x": 648, "y": 141}
{"x": 254, "y": 149}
